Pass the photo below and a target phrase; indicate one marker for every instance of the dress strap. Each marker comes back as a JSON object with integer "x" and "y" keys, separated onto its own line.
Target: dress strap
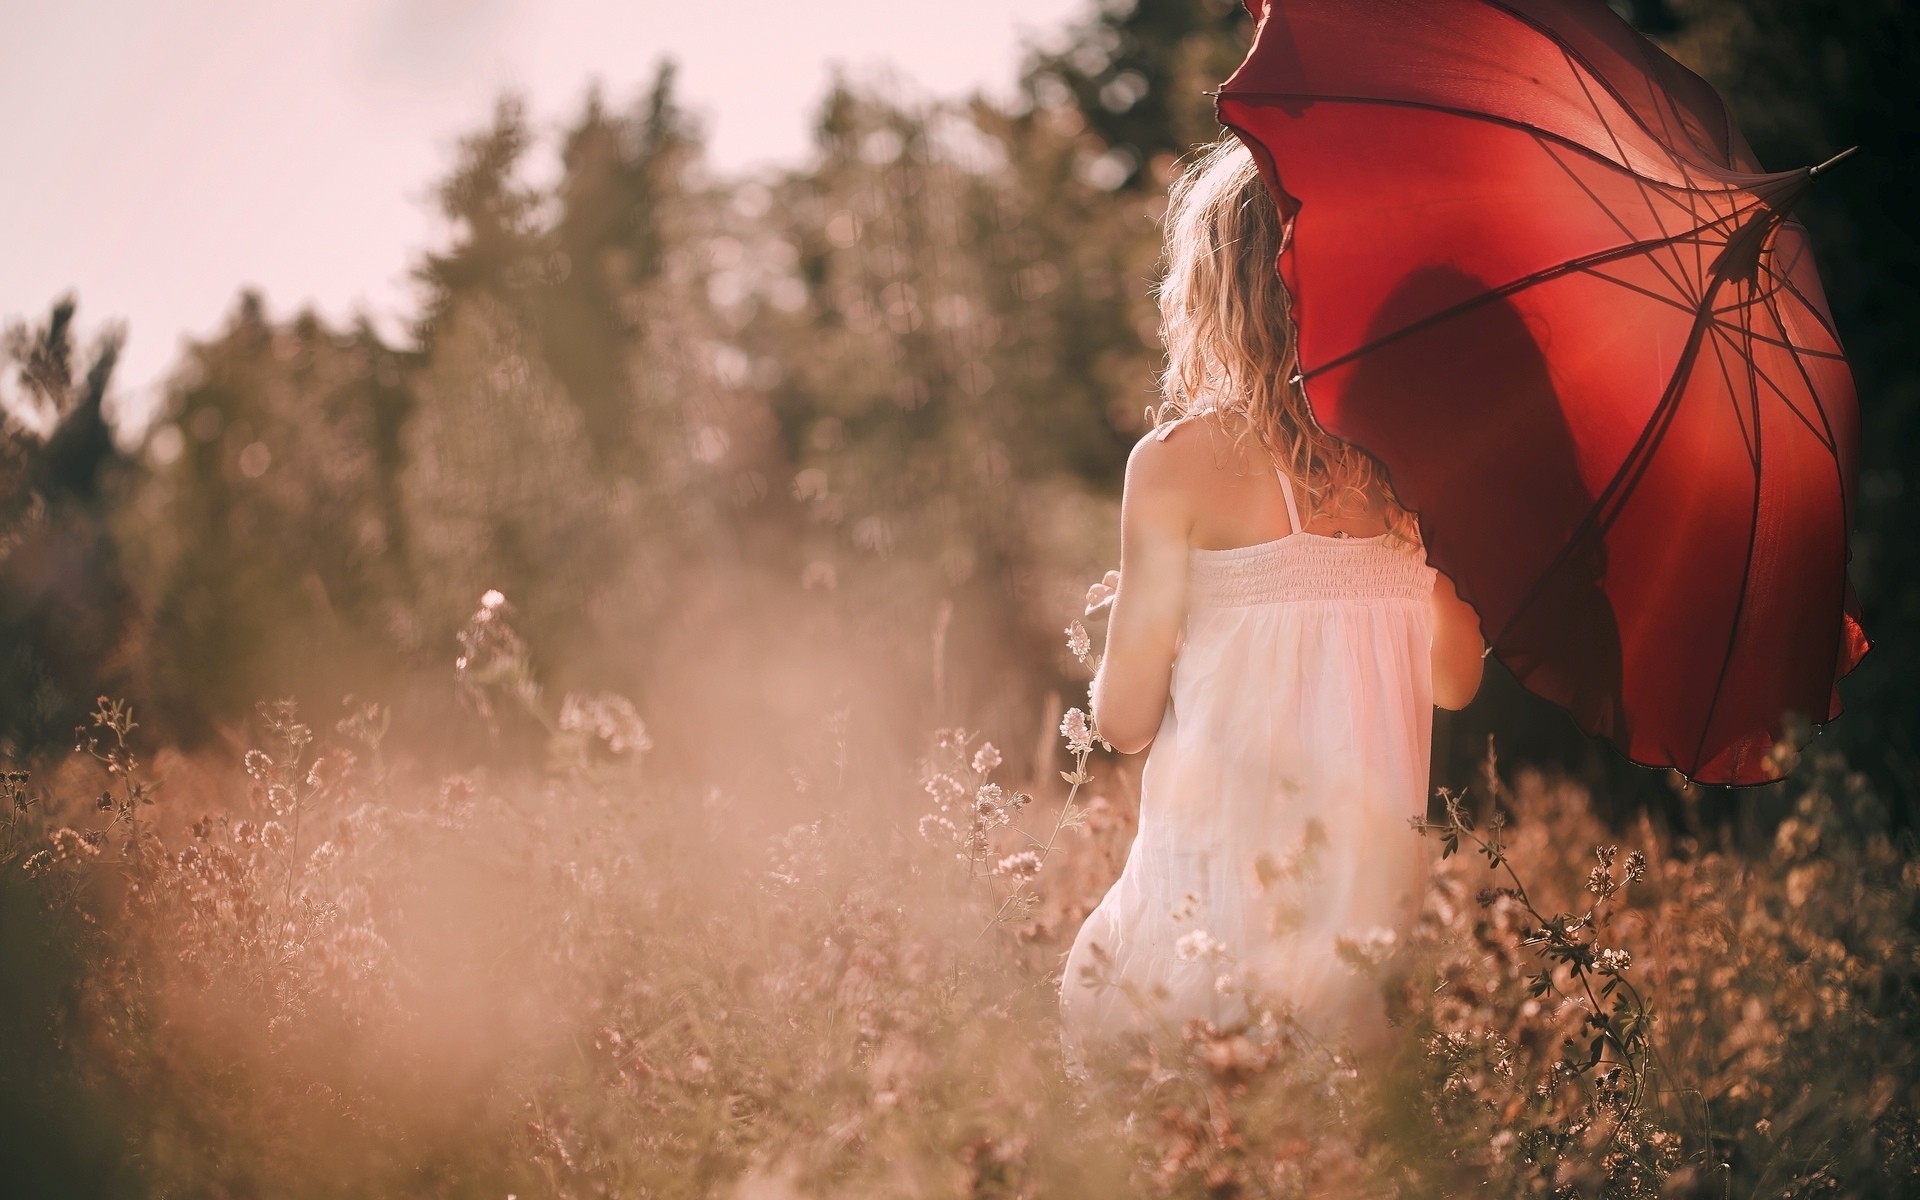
{"x": 1286, "y": 489}
{"x": 1166, "y": 427}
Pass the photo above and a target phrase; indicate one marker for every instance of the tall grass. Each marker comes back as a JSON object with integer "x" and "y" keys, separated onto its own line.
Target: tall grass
{"x": 320, "y": 971}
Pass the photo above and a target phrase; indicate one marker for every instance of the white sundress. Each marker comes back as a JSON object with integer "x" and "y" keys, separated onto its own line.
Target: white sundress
{"x": 1302, "y": 693}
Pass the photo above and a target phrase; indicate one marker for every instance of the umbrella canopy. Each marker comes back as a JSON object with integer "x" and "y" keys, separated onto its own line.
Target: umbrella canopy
{"x": 1537, "y": 272}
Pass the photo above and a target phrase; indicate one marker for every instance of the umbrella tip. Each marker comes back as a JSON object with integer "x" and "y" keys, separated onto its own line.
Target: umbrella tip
{"x": 1849, "y": 152}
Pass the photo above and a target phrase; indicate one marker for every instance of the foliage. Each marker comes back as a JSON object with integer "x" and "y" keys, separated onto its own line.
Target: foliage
{"x": 320, "y": 977}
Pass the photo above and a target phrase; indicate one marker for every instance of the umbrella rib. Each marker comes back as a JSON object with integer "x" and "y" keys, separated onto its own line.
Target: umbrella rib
{"x": 1649, "y": 293}
{"x": 1632, "y": 465}
{"x": 1825, "y": 439}
{"x": 1787, "y": 282}
{"x": 1809, "y": 351}
{"x": 1813, "y": 393}
{"x": 1514, "y": 287}
{"x": 1488, "y": 118}
{"x": 1740, "y": 600}
{"x": 1679, "y": 284}
{"x": 1749, "y": 439}
{"x": 1588, "y": 68}
{"x": 1576, "y": 64}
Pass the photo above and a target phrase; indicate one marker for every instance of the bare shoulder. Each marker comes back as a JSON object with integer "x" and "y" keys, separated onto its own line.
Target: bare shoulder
{"x": 1182, "y": 455}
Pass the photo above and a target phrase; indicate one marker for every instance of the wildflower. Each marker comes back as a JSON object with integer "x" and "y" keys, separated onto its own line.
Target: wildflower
{"x": 607, "y": 716}
{"x": 258, "y": 764}
{"x": 1024, "y": 864}
{"x": 1198, "y": 944}
{"x": 989, "y": 805}
{"x": 281, "y": 800}
{"x": 274, "y": 836}
{"x": 1078, "y": 642}
{"x": 987, "y": 758}
{"x": 945, "y": 789}
{"x": 37, "y": 863}
{"x": 105, "y": 801}
{"x": 1636, "y": 866}
{"x": 328, "y": 769}
{"x": 1369, "y": 949}
{"x": 324, "y": 856}
{"x": 933, "y": 824}
{"x": 491, "y": 599}
{"x": 68, "y": 844}
{"x": 1078, "y": 732}
{"x": 1612, "y": 962}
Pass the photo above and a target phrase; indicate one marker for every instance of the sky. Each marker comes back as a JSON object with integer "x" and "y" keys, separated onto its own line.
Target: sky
{"x": 163, "y": 156}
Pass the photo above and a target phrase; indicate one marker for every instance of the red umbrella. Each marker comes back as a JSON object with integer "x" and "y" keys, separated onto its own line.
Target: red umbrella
{"x": 1537, "y": 272}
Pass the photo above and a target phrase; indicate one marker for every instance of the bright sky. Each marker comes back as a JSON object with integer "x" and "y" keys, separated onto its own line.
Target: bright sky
{"x": 161, "y": 156}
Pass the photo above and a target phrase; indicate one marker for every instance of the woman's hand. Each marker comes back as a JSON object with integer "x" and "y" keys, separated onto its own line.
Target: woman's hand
{"x": 1101, "y": 594}
{"x": 1459, "y": 649}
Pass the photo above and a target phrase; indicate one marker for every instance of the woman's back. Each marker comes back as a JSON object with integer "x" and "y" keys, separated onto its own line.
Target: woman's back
{"x": 1276, "y": 798}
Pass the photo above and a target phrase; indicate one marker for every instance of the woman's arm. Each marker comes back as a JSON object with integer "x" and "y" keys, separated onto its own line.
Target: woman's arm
{"x": 1150, "y": 604}
{"x": 1458, "y": 647}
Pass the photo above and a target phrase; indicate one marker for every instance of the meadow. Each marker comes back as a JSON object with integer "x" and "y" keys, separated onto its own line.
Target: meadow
{"x": 625, "y": 738}
{"x": 329, "y": 972}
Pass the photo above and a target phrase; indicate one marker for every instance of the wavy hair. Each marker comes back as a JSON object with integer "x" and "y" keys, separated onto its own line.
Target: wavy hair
{"x": 1225, "y": 318}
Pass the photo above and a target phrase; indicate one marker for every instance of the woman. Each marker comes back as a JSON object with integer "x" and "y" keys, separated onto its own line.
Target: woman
{"x": 1278, "y": 639}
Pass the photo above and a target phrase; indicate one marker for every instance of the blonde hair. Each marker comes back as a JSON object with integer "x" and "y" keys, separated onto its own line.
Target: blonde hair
{"x": 1225, "y": 319}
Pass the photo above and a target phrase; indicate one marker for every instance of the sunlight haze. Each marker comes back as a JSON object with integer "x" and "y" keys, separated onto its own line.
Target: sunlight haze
{"x": 166, "y": 156}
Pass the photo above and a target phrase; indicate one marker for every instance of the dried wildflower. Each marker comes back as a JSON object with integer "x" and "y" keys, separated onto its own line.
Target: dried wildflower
{"x": 274, "y": 836}
{"x": 608, "y": 717}
{"x": 1078, "y": 643}
{"x": 986, "y": 759}
{"x": 325, "y": 855}
{"x": 1612, "y": 962}
{"x": 945, "y": 789}
{"x": 1369, "y": 948}
{"x": 1198, "y": 944}
{"x": 1023, "y": 865}
{"x": 1078, "y": 731}
{"x": 1189, "y": 904}
{"x": 1636, "y": 867}
{"x": 329, "y": 769}
{"x": 69, "y": 845}
{"x": 491, "y": 599}
{"x": 37, "y": 863}
{"x": 988, "y": 807}
{"x": 258, "y": 764}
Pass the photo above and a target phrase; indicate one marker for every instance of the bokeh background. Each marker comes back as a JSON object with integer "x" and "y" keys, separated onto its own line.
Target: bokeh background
{"x": 811, "y": 402}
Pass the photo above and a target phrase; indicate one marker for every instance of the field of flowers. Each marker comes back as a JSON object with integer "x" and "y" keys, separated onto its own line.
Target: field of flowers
{"x": 322, "y": 970}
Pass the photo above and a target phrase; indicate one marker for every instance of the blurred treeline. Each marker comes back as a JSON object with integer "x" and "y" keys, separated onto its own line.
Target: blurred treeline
{"x": 751, "y": 451}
